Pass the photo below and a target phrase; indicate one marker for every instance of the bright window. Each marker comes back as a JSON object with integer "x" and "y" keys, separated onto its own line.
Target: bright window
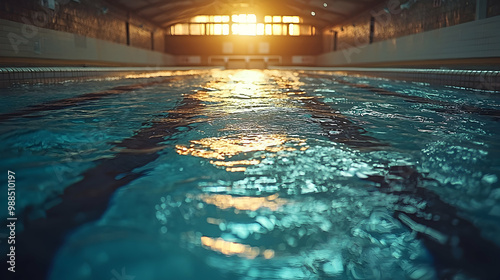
{"x": 276, "y": 29}
{"x": 269, "y": 29}
{"x": 196, "y": 29}
{"x": 260, "y": 29}
{"x": 243, "y": 24}
{"x": 294, "y": 30}
{"x": 291, "y": 19}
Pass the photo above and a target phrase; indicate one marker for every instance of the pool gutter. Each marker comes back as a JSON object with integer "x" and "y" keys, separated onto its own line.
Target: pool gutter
{"x": 45, "y": 75}
{"x": 484, "y": 80}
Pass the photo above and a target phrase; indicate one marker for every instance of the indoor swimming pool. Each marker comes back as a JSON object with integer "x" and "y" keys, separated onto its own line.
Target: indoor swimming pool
{"x": 252, "y": 174}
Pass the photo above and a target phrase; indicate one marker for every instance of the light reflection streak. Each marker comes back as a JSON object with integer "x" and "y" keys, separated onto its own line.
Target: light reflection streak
{"x": 226, "y": 147}
{"x": 235, "y": 162}
{"x": 224, "y": 201}
{"x": 234, "y": 248}
{"x": 248, "y": 89}
{"x": 236, "y": 169}
{"x": 242, "y": 91}
{"x": 222, "y": 148}
{"x": 163, "y": 74}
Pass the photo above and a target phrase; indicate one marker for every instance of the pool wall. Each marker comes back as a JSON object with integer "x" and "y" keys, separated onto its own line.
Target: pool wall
{"x": 475, "y": 42}
{"x": 105, "y": 20}
{"x": 31, "y": 45}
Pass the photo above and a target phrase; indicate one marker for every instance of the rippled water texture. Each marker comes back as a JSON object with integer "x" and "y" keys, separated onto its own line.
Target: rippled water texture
{"x": 258, "y": 175}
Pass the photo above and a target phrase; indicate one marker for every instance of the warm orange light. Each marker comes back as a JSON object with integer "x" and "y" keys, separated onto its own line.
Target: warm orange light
{"x": 221, "y": 151}
{"x": 163, "y": 74}
{"x": 209, "y": 19}
{"x": 291, "y": 19}
{"x": 251, "y": 18}
{"x": 242, "y": 24}
{"x": 244, "y": 29}
{"x": 269, "y": 29}
{"x": 244, "y": 18}
{"x": 225, "y": 147}
{"x": 294, "y": 30}
{"x": 233, "y": 248}
{"x": 225, "y": 29}
{"x": 260, "y": 29}
{"x": 268, "y": 254}
{"x": 217, "y": 29}
{"x": 200, "y": 19}
{"x": 225, "y": 201}
{"x": 276, "y": 29}
{"x": 181, "y": 29}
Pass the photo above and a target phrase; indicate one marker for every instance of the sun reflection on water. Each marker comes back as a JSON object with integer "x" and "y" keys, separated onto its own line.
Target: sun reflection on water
{"x": 234, "y": 248}
{"x": 222, "y": 148}
{"x": 271, "y": 202}
{"x": 242, "y": 92}
{"x": 248, "y": 90}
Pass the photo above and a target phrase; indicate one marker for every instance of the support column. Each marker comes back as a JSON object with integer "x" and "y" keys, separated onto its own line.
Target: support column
{"x": 335, "y": 39}
{"x": 481, "y": 9}
{"x": 152, "y": 40}
{"x": 127, "y": 28}
{"x": 372, "y": 29}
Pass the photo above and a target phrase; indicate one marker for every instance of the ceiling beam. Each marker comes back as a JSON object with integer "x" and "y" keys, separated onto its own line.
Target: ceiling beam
{"x": 171, "y": 4}
{"x": 178, "y": 12}
{"x": 182, "y": 10}
{"x": 360, "y": 11}
{"x": 184, "y": 16}
{"x": 129, "y": 12}
{"x": 318, "y": 9}
{"x": 309, "y": 19}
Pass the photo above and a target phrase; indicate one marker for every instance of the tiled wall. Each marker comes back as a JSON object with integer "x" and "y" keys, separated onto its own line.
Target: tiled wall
{"x": 392, "y": 21}
{"x": 92, "y": 18}
{"x": 424, "y": 16}
{"x": 493, "y": 8}
{"x": 472, "y": 41}
{"x": 140, "y": 37}
{"x": 51, "y": 47}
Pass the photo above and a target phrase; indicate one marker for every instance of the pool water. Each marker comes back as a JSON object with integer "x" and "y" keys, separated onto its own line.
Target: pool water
{"x": 254, "y": 174}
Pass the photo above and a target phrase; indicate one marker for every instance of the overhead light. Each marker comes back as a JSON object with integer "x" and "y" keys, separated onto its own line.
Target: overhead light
{"x": 325, "y": 5}
{"x": 313, "y": 13}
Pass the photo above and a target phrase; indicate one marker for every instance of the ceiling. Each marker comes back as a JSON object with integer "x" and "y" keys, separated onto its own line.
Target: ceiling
{"x": 167, "y": 12}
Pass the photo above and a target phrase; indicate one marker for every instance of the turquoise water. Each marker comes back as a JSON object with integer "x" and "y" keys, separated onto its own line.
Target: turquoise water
{"x": 251, "y": 174}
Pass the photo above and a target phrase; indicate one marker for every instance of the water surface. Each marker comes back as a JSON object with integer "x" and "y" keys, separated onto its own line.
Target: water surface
{"x": 260, "y": 175}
